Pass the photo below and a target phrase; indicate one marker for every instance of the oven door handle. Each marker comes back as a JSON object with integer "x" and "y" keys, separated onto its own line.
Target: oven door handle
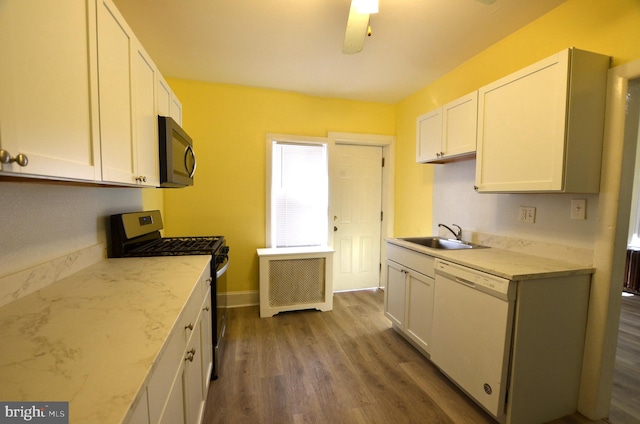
{"x": 223, "y": 269}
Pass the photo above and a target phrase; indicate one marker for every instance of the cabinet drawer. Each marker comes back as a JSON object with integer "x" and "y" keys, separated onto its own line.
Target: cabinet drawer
{"x": 190, "y": 313}
{"x": 205, "y": 281}
{"x": 417, "y": 261}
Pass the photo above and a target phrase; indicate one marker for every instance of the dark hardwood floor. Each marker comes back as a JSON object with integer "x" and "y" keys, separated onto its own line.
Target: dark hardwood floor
{"x": 343, "y": 366}
{"x": 625, "y": 399}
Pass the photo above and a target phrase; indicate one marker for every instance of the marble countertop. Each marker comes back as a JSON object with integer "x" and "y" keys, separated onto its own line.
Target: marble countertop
{"x": 503, "y": 263}
{"x": 92, "y": 338}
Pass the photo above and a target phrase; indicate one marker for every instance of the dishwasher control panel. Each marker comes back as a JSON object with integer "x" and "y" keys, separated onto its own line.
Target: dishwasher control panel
{"x": 479, "y": 280}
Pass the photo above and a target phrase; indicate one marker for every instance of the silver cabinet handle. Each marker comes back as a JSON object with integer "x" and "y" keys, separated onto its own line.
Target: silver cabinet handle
{"x": 190, "y": 355}
{"x": 20, "y": 159}
{"x": 141, "y": 179}
{"x": 189, "y": 326}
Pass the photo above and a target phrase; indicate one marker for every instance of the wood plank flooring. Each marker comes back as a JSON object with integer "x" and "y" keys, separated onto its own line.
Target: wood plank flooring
{"x": 625, "y": 399}
{"x": 343, "y": 366}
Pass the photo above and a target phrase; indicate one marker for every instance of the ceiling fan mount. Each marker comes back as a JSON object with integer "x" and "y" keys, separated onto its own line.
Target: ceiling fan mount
{"x": 359, "y": 24}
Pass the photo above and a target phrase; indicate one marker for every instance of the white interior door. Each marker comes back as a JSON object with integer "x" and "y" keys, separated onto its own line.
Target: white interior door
{"x": 357, "y": 216}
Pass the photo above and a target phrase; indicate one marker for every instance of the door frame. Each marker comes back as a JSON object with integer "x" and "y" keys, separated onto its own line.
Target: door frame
{"x": 388, "y": 144}
{"x": 614, "y": 208}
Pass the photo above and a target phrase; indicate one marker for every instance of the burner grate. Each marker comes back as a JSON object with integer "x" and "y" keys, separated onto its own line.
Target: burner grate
{"x": 173, "y": 246}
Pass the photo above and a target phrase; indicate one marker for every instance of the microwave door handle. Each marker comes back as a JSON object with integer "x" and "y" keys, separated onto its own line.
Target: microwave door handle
{"x": 187, "y": 151}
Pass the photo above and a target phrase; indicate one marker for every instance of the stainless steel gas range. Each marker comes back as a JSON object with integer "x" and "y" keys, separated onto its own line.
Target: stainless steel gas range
{"x": 137, "y": 234}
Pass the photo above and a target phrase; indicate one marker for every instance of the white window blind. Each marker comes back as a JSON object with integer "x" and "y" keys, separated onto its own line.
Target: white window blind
{"x": 299, "y": 194}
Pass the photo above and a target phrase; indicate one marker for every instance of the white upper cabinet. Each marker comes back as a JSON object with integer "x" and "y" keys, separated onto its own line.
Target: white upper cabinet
{"x": 168, "y": 103}
{"x": 449, "y": 132}
{"x": 128, "y": 123}
{"x": 48, "y": 105}
{"x": 79, "y": 95}
{"x": 115, "y": 45}
{"x": 145, "y": 75}
{"x": 429, "y": 136}
{"x": 540, "y": 129}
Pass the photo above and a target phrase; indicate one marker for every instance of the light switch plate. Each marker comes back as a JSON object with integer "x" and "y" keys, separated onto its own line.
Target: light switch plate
{"x": 527, "y": 214}
{"x": 579, "y": 209}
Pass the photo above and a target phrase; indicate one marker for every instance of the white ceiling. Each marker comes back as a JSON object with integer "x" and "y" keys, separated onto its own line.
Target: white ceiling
{"x": 296, "y": 45}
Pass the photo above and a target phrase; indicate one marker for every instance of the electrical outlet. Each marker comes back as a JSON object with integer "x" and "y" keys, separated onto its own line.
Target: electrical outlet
{"x": 578, "y": 209}
{"x": 527, "y": 214}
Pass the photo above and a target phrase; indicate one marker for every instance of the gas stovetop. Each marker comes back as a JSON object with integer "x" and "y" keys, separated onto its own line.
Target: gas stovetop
{"x": 138, "y": 234}
{"x": 173, "y": 246}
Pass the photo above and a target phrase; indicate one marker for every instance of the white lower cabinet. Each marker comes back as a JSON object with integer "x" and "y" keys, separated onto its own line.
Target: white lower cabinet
{"x": 420, "y": 289}
{"x": 193, "y": 395}
{"x": 173, "y": 411}
{"x": 409, "y": 294}
{"x": 140, "y": 413}
{"x": 178, "y": 384}
{"x": 545, "y": 335}
{"x": 395, "y": 293}
{"x": 206, "y": 335}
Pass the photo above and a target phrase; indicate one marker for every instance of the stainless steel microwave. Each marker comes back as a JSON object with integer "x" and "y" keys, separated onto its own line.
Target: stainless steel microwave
{"x": 177, "y": 158}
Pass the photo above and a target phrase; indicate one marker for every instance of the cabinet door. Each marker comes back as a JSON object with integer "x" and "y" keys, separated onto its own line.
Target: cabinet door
{"x": 429, "y": 136}
{"x": 459, "y": 128}
{"x": 140, "y": 413}
{"x": 176, "y": 109}
{"x": 164, "y": 97}
{"x": 48, "y": 107}
{"x": 146, "y": 121}
{"x": 194, "y": 398}
{"x": 168, "y": 103}
{"x": 207, "y": 343}
{"x": 521, "y": 129}
{"x": 174, "y": 409}
{"x": 115, "y": 46}
{"x": 419, "y": 308}
{"x": 395, "y": 294}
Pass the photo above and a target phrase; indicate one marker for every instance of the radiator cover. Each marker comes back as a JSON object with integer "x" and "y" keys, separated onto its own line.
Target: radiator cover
{"x": 295, "y": 279}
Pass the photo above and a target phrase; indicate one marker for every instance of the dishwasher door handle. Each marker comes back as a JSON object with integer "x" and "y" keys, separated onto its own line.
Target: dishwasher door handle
{"x": 465, "y": 282}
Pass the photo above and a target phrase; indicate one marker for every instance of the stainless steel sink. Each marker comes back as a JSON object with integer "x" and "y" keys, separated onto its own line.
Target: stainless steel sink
{"x": 443, "y": 243}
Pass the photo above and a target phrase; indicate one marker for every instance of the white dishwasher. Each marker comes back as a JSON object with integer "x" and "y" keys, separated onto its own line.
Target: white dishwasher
{"x": 472, "y": 331}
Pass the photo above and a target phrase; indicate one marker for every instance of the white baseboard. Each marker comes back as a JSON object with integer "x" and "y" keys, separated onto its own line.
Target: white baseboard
{"x": 240, "y": 299}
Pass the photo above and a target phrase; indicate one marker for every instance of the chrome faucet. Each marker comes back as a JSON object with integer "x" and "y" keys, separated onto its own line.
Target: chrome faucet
{"x": 458, "y": 235}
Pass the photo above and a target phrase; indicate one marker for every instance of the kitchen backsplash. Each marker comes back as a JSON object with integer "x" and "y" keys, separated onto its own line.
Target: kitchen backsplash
{"x": 492, "y": 219}
{"x": 22, "y": 283}
{"x": 565, "y": 253}
{"x": 53, "y": 230}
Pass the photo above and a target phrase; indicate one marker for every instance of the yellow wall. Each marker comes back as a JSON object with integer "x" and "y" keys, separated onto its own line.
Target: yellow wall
{"x": 611, "y": 27}
{"x": 228, "y": 125}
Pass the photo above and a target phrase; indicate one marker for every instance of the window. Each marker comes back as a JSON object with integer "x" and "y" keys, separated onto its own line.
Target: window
{"x": 297, "y": 198}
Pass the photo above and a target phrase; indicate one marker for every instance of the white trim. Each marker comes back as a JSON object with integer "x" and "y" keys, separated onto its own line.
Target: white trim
{"x": 388, "y": 144}
{"x": 614, "y": 207}
{"x": 241, "y": 299}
